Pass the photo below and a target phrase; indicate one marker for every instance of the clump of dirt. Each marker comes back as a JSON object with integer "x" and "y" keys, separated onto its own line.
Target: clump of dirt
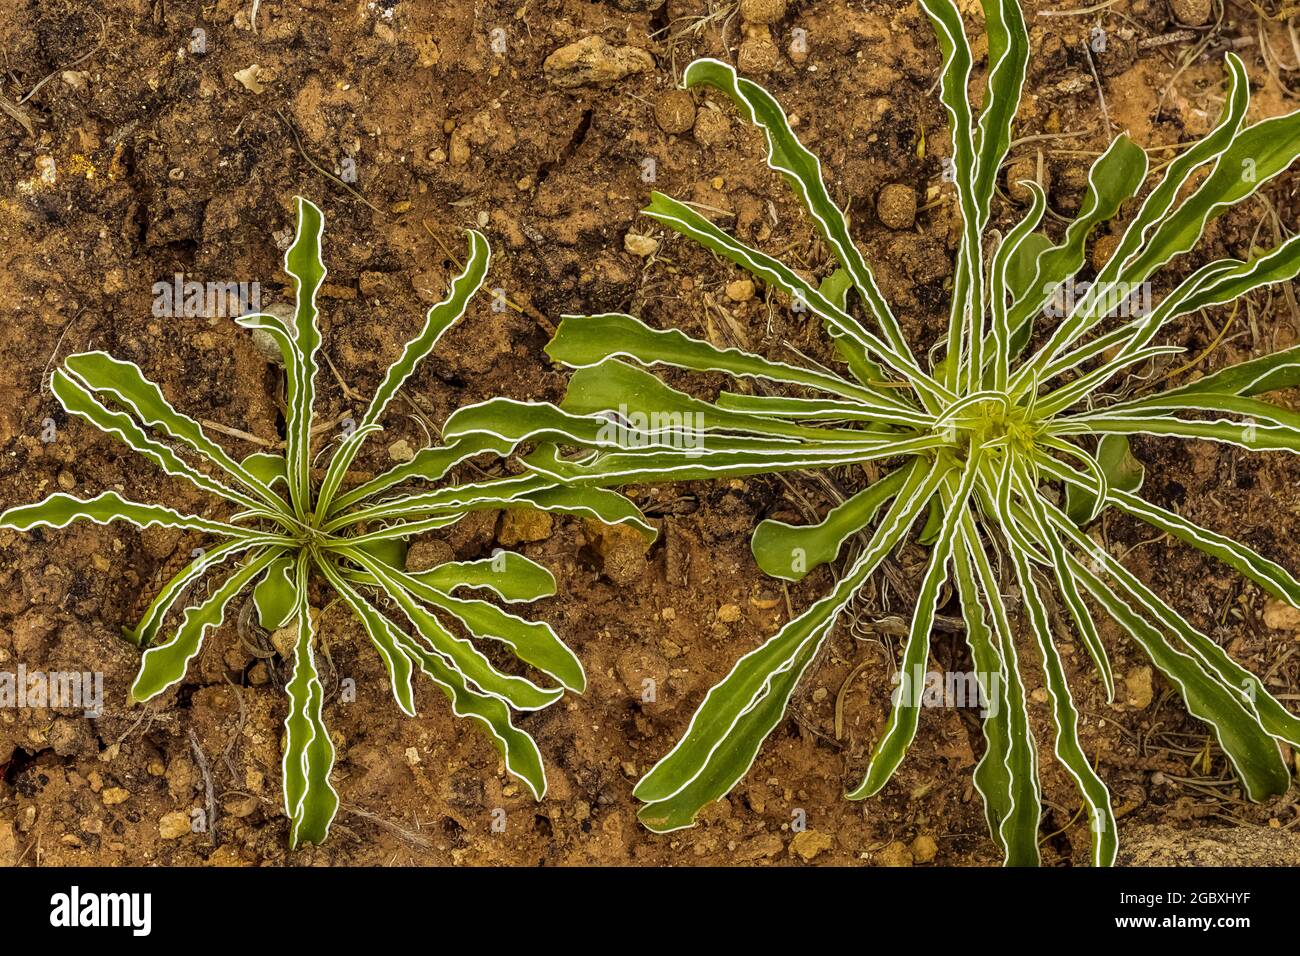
{"x": 144, "y": 140}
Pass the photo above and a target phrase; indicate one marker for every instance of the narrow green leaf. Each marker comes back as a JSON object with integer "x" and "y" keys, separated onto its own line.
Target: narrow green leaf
{"x": 127, "y": 385}
{"x": 78, "y": 400}
{"x": 1065, "y": 716}
{"x": 905, "y": 715}
{"x": 398, "y": 664}
{"x": 803, "y": 172}
{"x": 164, "y": 665}
{"x": 751, "y": 678}
{"x": 303, "y": 262}
{"x": 1018, "y": 830}
{"x": 310, "y": 800}
{"x": 519, "y": 692}
{"x": 429, "y": 464}
{"x": 437, "y": 321}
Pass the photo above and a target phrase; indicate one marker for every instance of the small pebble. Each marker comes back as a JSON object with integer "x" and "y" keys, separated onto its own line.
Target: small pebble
{"x": 924, "y": 849}
{"x": 809, "y": 844}
{"x": 401, "y": 450}
{"x": 896, "y": 206}
{"x": 1194, "y": 13}
{"x": 174, "y": 825}
{"x": 675, "y": 111}
{"x": 742, "y": 290}
{"x": 762, "y": 11}
{"x": 642, "y": 246}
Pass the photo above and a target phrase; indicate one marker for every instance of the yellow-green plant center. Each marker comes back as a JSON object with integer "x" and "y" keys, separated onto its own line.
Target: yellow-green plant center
{"x": 992, "y": 423}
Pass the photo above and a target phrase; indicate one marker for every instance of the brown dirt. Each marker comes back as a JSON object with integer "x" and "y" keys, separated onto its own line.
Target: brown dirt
{"x": 165, "y": 163}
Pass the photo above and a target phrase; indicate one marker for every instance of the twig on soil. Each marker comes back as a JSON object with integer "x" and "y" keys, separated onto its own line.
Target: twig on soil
{"x": 348, "y": 392}
{"x": 1166, "y": 39}
{"x": 237, "y": 433}
{"x": 293, "y": 131}
{"x": 239, "y": 727}
{"x": 843, "y": 692}
{"x": 57, "y": 345}
{"x": 1101, "y": 96}
{"x": 1080, "y": 12}
{"x": 202, "y": 763}
{"x": 18, "y": 115}
{"x": 250, "y": 437}
{"x": 103, "y": 37}
{"x": 1218, "y": 339}
{"x": 406, "y": 836}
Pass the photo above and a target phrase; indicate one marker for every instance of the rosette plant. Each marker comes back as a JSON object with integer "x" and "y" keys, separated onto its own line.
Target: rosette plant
{"x": 982, "y": 442}
{"x": 284, "y": 527}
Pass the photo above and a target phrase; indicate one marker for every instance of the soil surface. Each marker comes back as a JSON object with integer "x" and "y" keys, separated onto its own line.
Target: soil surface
{"x": 135, "y": 147}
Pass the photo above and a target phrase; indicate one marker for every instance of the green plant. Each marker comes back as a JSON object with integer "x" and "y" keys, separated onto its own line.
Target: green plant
{"x": 355, "y": 538}
{"x": 977, "y": 442}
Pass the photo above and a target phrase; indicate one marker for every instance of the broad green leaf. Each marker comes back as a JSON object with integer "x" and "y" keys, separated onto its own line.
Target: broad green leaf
{"x": 732, "y": 761}
{"x": 1123, "y": 472}
{"x": 267, "y": 467}
{"x": 587, "y": 340}
{"x": 790, "y": 552}
{"x": 606, "y": 506}
{"x": 1115, "y": 178}
{"x": 276, "y": 595}
{"x": 510, "y": 576}
{"x": 835, "y": 289}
